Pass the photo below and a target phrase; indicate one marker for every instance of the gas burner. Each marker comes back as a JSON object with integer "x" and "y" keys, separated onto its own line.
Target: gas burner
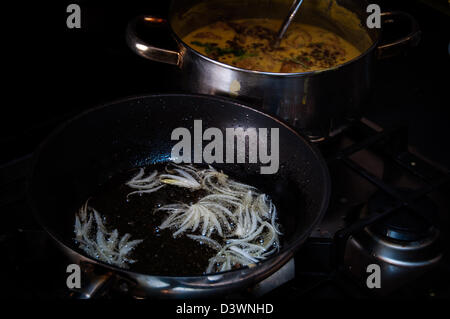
{"x": 404, "y": 225}
{"x": 404, "y": 244}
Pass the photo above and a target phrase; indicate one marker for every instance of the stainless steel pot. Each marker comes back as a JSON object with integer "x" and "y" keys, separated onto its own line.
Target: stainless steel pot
{"x": 316, "y": 103}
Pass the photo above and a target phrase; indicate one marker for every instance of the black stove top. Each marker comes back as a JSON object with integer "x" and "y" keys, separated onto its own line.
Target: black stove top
{"x": 389, "y": 171}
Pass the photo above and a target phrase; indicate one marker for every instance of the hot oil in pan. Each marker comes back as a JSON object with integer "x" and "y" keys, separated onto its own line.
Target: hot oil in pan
{"x": 249, "y": 230}
{"x": 159, "y": 253}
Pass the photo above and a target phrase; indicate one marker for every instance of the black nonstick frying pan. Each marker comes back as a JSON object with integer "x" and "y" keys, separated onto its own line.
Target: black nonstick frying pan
{"x": 88, "y": 150}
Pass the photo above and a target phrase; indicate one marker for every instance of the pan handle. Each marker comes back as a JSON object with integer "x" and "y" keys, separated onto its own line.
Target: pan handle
{"x": 146, "y": 50}
{"x": 94, "y": 285}
{"x": 401, "y": 45}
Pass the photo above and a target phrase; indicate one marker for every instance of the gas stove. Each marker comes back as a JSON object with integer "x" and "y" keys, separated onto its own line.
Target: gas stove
{"x": 389, "y": 171}
{"x": 389, "y": 207}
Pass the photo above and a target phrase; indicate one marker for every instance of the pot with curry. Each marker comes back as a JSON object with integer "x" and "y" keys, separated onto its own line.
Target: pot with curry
{"x": 318, "y": 77}
{"x": 248, "y": 44}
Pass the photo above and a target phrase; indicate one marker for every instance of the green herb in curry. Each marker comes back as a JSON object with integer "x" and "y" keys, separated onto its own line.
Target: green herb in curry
{"x": 215, "y": 51}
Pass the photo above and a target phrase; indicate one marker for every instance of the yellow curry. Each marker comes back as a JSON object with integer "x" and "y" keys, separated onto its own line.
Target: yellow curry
{"x": 247, "y": 44}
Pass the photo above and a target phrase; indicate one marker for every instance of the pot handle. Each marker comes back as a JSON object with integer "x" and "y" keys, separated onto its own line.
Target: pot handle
{"x": 146, "y": 50}
{"x": 403, "y": 44}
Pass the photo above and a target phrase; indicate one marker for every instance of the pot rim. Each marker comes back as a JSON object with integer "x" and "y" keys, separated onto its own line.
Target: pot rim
{"x": 264, "y": 73}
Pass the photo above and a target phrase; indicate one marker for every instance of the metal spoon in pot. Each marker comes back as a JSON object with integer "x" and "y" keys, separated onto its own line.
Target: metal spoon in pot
{"x": 287, "y": 22}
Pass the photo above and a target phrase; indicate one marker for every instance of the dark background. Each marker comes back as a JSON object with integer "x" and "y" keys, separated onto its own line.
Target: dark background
{"x": 52, "y": 72}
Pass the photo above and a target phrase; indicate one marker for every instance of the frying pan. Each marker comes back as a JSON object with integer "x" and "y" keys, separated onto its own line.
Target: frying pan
{"x": 85, "y": 152}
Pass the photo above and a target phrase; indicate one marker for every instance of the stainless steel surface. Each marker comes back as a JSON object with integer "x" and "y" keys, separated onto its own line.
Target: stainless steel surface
{"x": 94, "y": 285}
{"x": 226, "y": 283}
{"x": 148, "y": 51}
{"x": 300, "y": 161}
{"x": 399, "y": 262}
{"x": 287, "y": 22}
{"x": 317, "y": 103}
{"x": 403, "y": 245}
{"x": 282, "y": 276}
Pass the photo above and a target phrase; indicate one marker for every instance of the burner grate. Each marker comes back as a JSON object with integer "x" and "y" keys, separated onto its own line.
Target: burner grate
{"x": 433, "y": 178}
